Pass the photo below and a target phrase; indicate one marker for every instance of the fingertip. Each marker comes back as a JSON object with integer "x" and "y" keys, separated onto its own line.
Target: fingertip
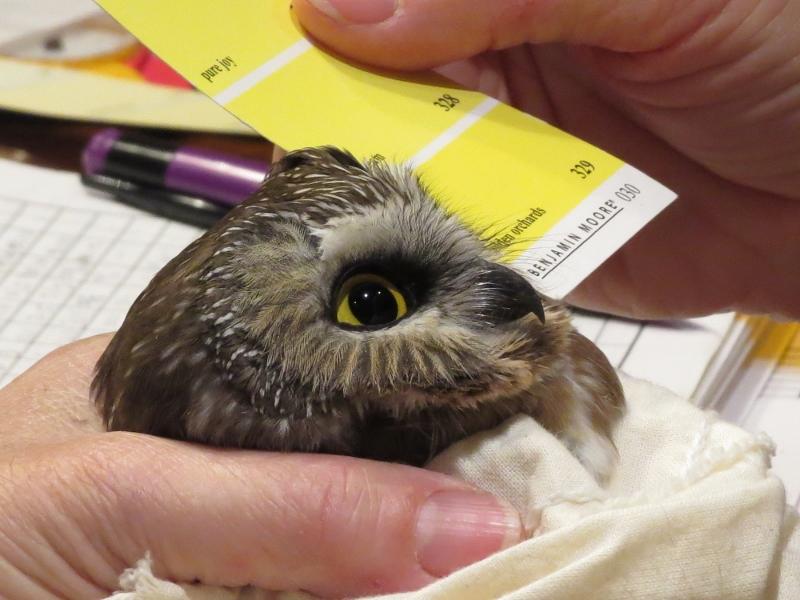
{"x": 411, "y": 35}
{"x": 357, "y": 11}
{"x": 277, "y": 153}
{"x": 456, "y": 528}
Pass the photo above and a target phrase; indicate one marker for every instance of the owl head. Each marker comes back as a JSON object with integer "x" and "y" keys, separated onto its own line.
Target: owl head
{"x": 342, "y": 309}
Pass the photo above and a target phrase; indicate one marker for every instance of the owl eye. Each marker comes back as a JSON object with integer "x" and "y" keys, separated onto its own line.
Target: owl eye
{"x": 369, "y": 300}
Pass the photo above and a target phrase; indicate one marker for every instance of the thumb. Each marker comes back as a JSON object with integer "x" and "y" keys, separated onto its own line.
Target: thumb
{"x": 329, "y": 525}
{"x": 413, "y": 34}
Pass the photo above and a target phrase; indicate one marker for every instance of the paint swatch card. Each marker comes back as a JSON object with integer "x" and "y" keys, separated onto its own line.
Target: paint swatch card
{"x": 556, "y": 206}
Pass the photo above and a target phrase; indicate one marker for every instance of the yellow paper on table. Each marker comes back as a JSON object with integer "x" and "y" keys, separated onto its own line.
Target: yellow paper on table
{"x": 556, "y": 206}
{"x": 66, "y": 93}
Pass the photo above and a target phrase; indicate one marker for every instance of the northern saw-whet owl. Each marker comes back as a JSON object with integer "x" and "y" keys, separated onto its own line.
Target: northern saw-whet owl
{"x": 341, "y": 309}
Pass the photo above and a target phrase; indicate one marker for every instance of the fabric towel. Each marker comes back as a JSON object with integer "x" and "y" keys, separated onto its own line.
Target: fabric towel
{"x": 692, "y": 511}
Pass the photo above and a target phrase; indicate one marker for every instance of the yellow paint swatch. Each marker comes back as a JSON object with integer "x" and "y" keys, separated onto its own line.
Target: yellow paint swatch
{"x": 555, "y": 205}
{"x": 533, "y": 175}
{"x": 363, "y": 113}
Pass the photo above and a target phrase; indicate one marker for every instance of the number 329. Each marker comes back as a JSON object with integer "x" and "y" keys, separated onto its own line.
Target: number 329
{"x": 583, "y": 169}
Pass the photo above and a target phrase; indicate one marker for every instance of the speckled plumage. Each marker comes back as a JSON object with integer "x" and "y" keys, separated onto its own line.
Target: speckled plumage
{"x": 234, "y": 342}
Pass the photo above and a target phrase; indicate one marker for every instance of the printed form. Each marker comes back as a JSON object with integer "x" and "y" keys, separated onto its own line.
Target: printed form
{"x": 70, "y": 263}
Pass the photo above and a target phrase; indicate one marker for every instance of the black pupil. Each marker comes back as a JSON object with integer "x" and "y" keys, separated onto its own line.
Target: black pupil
{"x": 372, "y": 304}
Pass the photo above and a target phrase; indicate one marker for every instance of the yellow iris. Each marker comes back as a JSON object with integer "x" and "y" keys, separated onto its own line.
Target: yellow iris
{"x": 366, "y": 299}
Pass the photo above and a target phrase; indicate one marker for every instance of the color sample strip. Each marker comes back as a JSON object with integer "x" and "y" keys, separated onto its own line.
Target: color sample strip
{"x": 349, "y": 107}
{"x": 536, "y": 190}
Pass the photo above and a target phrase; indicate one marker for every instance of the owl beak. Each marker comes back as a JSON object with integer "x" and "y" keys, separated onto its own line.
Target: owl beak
{"x": 514, "y": 296}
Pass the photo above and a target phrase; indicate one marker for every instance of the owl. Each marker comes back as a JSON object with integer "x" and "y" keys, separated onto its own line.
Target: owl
{"x": 341, "y": 309}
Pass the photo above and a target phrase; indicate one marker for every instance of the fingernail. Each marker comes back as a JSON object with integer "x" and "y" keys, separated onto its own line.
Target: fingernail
{"x": 458, "y": 528}
{"x": 360, "y": 12}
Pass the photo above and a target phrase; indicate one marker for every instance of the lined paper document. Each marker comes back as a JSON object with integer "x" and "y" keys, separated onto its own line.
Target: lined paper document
{"x": 70, "y": 264}
{"x": 674, "y": 354}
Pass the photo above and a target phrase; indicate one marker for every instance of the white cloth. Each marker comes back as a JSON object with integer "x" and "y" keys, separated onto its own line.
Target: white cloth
{"x": 692, "y": 512}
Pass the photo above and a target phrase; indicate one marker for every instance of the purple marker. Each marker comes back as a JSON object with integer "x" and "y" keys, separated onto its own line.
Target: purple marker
{"x": 222, "y": 178}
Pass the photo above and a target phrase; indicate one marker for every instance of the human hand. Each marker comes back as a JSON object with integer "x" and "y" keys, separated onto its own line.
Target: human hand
{"x": 78, "y": 506}
{"x": 704, "y": 96}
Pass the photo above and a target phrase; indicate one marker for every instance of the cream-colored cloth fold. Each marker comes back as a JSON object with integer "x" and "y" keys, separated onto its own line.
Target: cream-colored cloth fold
{"x": 691, "y": 511}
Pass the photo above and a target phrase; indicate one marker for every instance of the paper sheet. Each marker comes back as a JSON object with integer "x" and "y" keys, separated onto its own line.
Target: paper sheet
{"x": 26, "y": 18}
{"x": 64, "y": 93}
{"x": 70, "y": 264}
{"x": 675, "y": 355}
